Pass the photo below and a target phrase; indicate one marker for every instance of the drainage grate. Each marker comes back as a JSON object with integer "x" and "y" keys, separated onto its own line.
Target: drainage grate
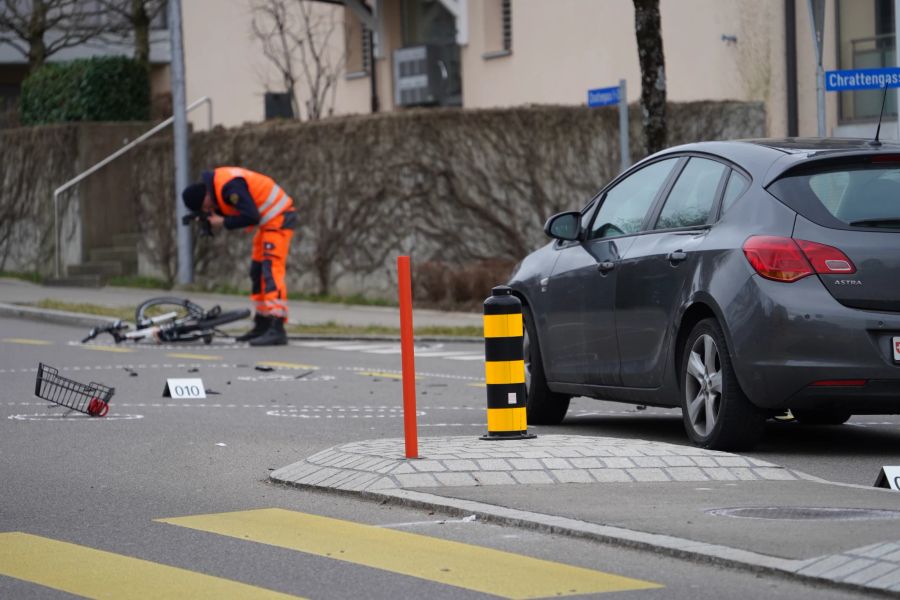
{"x": 805, "y": 513}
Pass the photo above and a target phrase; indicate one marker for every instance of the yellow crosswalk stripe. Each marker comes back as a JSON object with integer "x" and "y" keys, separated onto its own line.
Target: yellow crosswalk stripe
{"x": 475, "y": 568}
{"x": 382, "y": 374}
{"x": 94, "y": 573}
{"x": 107, "y": 349}
{"x": 193, "y": 356}
{"x": 285, "y": 365}
{"x": 27, "y": 341}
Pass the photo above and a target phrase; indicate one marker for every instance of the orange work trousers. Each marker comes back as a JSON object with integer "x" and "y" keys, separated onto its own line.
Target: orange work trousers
{"x": 267, "y": 267}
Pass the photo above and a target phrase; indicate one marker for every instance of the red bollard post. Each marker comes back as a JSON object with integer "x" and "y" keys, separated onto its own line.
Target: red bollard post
{"x": 408, "y": 357}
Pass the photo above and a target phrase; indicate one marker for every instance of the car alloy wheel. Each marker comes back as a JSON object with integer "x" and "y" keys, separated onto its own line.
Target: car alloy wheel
{"x": 703, "y": 386}
{"x": 716, "y": 413}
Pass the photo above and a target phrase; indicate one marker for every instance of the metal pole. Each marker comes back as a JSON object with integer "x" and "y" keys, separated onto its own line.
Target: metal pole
{"x": 407, "y": 357}
{"x": 817, "y": 26}
{"x": 624, "y": 144}
{"x": 83, "y": 175}
{"x": 179, "y": 114}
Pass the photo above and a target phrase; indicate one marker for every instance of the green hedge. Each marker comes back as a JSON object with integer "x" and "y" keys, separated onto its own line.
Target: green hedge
{"x": 112, "y": 88}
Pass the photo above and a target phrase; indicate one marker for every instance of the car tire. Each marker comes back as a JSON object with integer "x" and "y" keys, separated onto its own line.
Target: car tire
{"x": 542, "y": 406}
{"x": 716, "y": 413}
{"x": 812, "y": 416}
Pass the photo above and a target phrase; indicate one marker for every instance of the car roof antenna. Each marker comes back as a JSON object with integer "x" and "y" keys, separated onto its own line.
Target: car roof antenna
{"x": 875, "y": 142}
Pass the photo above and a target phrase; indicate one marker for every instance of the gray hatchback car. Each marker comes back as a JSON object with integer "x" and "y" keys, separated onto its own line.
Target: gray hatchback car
{"x": 736, "y": 280}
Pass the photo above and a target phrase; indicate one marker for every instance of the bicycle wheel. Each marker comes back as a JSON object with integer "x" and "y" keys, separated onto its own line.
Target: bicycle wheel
{"x": 223, "y": 318}
{"x": 184, "y": 309}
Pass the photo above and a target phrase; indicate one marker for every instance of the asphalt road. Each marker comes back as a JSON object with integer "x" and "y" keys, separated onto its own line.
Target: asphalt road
{"x": 105, "y": 484}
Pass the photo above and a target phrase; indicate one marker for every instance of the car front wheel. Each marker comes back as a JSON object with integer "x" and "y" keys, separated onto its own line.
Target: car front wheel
{"x": 542, "y": 406}
{"x": 716, "y": 413}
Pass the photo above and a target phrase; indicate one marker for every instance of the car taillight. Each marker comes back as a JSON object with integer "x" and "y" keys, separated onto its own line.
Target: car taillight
{"x": 776, "y": 258}
{"x": 788, "y": 260}
{"x": 826, "y": 260}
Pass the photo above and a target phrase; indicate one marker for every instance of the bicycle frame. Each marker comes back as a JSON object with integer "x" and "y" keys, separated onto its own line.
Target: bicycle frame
{"x": 170, "y": 327}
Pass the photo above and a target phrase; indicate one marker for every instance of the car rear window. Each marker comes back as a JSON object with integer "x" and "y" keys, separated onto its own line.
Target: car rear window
{"x": 861, "y": 195}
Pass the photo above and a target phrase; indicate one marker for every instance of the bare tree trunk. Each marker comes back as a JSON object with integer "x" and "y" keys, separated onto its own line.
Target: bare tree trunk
{"x": 37, "y": 25}
{"x": 648, "y": 32}
{"x": 140, "y": 21}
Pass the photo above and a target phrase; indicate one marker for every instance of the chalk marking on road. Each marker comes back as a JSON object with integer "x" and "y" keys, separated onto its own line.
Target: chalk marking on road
{"x": 73, "y": 416}
{"x": 93, "y": 573}
{"x": 367, "y": 347}
{"x": 27, "y": 342}
{"x": 194, "y": 356}
{"x": 303, "y": 415}
{"x": 478, "y": 385}
{"x": 433, "y": 559}
{"x": 284, "y": 378}
{"x": 418, "y": 373}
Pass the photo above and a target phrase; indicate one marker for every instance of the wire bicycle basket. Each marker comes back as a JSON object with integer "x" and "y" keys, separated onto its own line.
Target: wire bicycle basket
{"x": 91, "y": 399}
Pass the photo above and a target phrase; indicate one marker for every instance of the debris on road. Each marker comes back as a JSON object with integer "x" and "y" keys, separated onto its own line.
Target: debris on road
{"x": 91, "y": 399}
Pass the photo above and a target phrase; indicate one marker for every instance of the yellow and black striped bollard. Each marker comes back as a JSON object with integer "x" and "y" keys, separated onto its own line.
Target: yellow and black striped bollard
{"x": 504, "y": 367}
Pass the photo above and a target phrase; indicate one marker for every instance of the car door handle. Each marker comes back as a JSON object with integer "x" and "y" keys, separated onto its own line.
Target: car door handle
{"x": 677, "y": 256}
{"x": 606, "y": 266}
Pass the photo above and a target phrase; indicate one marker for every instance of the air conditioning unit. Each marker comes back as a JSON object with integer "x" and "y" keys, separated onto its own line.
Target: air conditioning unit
{"x": 427, "y": 75}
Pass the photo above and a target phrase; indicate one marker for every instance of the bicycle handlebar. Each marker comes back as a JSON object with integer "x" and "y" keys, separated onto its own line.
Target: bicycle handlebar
{"x": 112, "y": 329}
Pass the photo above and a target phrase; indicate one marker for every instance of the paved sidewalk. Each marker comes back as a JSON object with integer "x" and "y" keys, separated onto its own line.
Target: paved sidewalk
{"x": 686, "y": 501}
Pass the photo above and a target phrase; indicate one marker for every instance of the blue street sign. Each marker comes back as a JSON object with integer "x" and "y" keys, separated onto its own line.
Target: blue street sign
{"x": 862, "y": 79}
{"x": 603, "y": 96}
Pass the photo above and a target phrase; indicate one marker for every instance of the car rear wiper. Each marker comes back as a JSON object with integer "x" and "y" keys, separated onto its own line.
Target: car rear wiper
{"x": 886, "y": 222}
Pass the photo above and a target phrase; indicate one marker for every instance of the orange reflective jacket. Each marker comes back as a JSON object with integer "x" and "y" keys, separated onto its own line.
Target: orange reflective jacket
{"x": 270, "y": 199}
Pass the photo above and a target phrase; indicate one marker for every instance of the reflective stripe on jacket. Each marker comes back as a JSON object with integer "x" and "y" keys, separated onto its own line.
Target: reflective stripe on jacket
{"x": 270, "y": 199}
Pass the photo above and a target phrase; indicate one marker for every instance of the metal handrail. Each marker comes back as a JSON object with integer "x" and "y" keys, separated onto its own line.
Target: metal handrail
{"x": 74, "y": 181}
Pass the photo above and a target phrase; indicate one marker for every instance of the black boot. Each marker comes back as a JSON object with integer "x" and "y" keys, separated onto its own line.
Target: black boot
{"x": 260, "y": 326}
{"x": 273, "y": 336}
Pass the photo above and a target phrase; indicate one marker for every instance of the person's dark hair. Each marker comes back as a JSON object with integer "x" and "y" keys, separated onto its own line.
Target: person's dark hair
{"x": 193, "y": 196}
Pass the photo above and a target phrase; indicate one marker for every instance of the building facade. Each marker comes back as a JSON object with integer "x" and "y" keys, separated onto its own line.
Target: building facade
{"x": 389, "y": 55}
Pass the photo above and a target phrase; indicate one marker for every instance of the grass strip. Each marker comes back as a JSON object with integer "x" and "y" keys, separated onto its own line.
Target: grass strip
{"x": 328, "y": 328}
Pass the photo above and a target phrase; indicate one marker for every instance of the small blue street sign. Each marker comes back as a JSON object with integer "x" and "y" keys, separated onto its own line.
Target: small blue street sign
{"x": 862, "y": 79}
{"x": 603, "y": 96}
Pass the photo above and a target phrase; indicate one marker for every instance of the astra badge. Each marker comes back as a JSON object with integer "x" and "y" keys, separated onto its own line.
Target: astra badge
{"x": 847, "y": 282}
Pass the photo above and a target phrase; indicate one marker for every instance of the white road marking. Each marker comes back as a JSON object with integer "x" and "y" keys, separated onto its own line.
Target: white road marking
{"x": 73, "y": 417}
{"x": 428, "y": 351}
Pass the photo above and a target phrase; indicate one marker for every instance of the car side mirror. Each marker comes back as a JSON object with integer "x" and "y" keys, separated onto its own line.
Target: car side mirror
{"x": 564, "y": 226}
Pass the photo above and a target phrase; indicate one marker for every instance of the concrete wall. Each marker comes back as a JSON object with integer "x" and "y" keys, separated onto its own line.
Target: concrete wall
{"x": 462, "y": 191}
{"x": 34, "y": 162}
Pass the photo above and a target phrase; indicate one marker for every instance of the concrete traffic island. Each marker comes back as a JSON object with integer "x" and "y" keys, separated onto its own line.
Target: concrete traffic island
{"x": 467, "y": 461}
{"x": 681, "y": 500}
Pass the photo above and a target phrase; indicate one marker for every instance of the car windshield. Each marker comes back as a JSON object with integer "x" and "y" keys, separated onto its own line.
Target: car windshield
{"x": 858, "y": 195}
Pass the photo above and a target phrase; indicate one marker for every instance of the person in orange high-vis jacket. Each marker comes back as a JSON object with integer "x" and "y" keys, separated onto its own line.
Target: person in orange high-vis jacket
{"x": 235, "y": 198}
